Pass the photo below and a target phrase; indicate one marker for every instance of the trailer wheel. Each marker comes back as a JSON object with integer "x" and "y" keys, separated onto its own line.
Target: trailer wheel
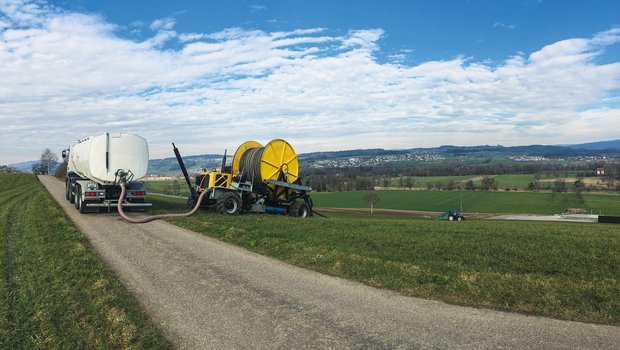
{"x": 82, "y": 208}
{"x": 191, "y": 203}
{"x": 78, "y": 197}
{"x": 71, "y": 194}
{"x": 299, "y": 210}
{"x": 229, "y": 204}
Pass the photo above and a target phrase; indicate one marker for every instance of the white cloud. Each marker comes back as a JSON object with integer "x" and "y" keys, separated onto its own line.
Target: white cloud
{"x": 66, "y": 75}
{"x": 187, "y": 37}
{"x": 166, "y": 23}
{"x": 503, "y": 25}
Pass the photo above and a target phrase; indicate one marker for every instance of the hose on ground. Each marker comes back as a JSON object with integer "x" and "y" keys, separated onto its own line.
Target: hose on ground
{"x": 145, "y": 219}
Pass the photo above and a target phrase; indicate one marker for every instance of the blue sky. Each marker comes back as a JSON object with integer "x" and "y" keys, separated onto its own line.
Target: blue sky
{"x": 424, "y": 30}
{"x": 325, "y": 75}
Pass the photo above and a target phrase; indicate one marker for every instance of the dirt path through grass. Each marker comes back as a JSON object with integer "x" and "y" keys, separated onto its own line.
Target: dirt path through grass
{"x": 208, "y": 294}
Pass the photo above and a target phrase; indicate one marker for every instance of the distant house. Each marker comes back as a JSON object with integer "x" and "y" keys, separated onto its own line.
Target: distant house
{"x": 600, "y": 171}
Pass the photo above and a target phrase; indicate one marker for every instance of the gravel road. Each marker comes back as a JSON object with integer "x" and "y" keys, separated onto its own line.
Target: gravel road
{"x": 206, "y": 294}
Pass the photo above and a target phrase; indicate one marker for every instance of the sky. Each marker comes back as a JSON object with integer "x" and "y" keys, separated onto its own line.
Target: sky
{"x": 323, "y": 75}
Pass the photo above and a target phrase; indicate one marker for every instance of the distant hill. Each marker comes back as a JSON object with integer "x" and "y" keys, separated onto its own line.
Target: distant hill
{"x": 193, "y": 163}
{"x": 26, "y": 167}
{"x": 600, "y": 145}
{"x": 377, "y": 156}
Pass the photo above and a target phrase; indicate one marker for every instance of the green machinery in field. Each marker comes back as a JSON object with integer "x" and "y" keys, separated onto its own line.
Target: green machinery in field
{"x": 451, "y": 215}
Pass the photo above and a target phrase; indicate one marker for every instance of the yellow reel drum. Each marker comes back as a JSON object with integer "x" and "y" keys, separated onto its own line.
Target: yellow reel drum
{"x": 276, "y": 161}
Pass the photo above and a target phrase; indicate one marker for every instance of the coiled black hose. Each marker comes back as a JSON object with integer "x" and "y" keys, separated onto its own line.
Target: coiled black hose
{"x": 249, "y": 164}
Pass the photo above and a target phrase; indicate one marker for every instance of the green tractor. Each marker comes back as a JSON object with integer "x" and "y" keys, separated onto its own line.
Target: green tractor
{"x": 451, "y": 215}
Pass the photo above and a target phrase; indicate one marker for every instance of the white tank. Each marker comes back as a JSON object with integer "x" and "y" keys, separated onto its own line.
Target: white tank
{"x": 99, "y": 157}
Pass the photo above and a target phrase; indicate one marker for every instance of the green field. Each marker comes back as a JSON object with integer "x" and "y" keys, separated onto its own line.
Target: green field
{"x": 159, "y": 186}
{"x": 511, "y": 181}
{"x": 422, "y": 181}
{"x": 55, "y": 293}
{"x": 473, "y": 201}
{"x": 563, "y": 270}
{"x": 519, "y": 181}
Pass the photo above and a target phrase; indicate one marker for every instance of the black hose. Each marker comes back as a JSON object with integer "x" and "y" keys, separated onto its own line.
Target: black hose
{"x": 145, "y": 219}
{"x": 249, "y": 164}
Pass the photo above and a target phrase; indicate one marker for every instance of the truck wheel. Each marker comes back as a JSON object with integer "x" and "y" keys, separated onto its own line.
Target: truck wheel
{"x": 67, "y": 191}
{"x": 299, "y": 210}
{"x": 78, "y": 197}
{"x": 71, "y": 194}
{"x": 82, "y": 206}
{"x": 229, "y": 204}
{"x": 460, "y": 218}
{"x": 451, "y": 218}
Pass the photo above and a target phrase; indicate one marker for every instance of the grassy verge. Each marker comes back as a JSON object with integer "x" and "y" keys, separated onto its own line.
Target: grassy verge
{"x": 563, "y": 270}
{"x": 54, "y": 291}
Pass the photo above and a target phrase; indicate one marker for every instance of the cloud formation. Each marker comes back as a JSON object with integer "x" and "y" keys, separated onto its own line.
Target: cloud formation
{"x": 67, "y": 75}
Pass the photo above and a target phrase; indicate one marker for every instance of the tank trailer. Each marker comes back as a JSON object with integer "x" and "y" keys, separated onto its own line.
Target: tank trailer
{"x": 97, "y": 164}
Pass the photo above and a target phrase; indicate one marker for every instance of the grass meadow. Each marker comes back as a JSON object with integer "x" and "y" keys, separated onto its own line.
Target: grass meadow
{"x": 473, "y": 201}
{"x": 55, "y": 293}
{"x": 494, "y": 202}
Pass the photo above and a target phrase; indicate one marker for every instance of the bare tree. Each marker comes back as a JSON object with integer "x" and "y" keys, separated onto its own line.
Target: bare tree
{"x": 48, "y": 159}
{"x": 489, "y": 183}
{"x": 372, "y": 199}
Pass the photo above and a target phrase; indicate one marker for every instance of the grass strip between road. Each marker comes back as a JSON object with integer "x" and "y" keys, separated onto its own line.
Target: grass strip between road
{"x": 562, "y": 270}
{"x": 55, "y": 293}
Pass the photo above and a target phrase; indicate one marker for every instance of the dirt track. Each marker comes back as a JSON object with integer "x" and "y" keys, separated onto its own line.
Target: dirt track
{"x": 207, "y": 294}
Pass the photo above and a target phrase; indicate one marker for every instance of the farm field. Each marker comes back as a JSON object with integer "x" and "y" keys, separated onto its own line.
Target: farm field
{"x": 510, "y": 181}
{"x": 55, "y": 293}
{"x": 422, "y": 181}
{"x": 476, "y": 201}
{"x": 162, "y": 186}
{"x": 519, "y": 181}
{"x": 473, "y": 201}
{"x": 562, "y": 270}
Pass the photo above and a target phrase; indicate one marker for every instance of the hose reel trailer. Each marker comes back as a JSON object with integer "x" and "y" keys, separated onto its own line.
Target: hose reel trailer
{"x": 266, "y": 166}
{"x": 261, "y": 179}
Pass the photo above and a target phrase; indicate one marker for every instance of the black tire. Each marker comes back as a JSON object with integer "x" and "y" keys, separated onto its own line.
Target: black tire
{"x": 67, "y": 191}
{"x": 191, "y": 203}
{"x": 451, "y": 218}
{"x": 78, "y": 197}
{"x": 82, "y": 206}
{"x": 299, "y": 210}
{"x": 460, "y": 218}
{"x": 71, "y": 194}
{"x": 228, "y": 204}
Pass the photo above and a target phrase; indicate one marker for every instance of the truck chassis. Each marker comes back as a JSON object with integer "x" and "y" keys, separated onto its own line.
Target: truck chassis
{"x": 90, "y": 197}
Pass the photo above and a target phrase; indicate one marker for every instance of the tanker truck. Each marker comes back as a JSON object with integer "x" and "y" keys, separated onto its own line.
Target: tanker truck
{"x": 261, "y": 179}
{"x": 97, "y": 164}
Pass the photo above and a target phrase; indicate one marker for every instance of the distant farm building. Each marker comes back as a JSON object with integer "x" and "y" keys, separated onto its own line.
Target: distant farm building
{"x": 600, "y": 171}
